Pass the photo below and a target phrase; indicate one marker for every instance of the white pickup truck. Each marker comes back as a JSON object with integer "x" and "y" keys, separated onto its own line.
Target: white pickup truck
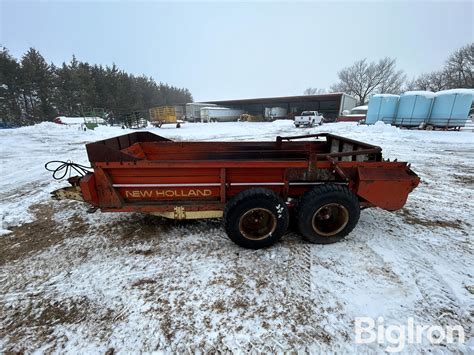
{"x": 308, "y": 119}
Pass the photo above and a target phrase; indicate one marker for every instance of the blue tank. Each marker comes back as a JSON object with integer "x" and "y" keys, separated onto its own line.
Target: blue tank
{"x": 451, "y": 108}
{"x": 414, "y": 108}
{"x": 382, "y": 107}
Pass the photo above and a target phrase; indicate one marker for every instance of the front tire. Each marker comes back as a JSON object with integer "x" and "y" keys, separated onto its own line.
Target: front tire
{"x": 327, "y": 213}
{"x": 256, "y": 218}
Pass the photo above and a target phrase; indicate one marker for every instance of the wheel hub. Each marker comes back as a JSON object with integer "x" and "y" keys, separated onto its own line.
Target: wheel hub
{"x": 330, "y": 219}
{"x": 257, "y": 223}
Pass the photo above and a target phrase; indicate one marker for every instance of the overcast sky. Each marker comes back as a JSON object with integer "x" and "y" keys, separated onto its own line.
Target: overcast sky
{"x": 239, "y": 49}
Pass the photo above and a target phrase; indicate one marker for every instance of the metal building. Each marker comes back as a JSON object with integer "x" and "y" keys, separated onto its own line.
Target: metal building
{"x": 330, "y": 105}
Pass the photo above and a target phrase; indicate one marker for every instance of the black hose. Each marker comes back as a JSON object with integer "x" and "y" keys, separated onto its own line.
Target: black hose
{"x": 66, "y": 167}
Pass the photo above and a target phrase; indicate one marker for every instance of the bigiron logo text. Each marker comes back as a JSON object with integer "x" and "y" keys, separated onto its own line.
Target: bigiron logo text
{"x": 396, "y": 336}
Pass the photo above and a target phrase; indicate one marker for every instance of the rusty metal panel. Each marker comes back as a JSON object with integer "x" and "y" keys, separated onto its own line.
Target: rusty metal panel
{"x": 89, "y": 191}
{"x": 385, "y": 188}
{"x": 107, "y": 194}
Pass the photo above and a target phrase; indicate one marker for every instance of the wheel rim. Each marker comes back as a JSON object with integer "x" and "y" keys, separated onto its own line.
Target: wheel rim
{"x": 257, "y": 223}
{"x": 330, "y": 219}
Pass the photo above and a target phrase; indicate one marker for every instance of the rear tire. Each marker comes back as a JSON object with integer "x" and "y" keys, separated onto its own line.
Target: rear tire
{"x": 256, "y": 218}
{"x": 327, "y": 213}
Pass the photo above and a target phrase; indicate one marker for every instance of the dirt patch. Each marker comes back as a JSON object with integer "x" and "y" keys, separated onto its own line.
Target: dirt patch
{"x": 219, "y": 306}
{"x": 240, "y": 303}
{"x": 36, "y": 320}
{"x": 135, "y": 228}
{"x": 470, "y": 288}
{"x": 141, "y": 282}
{"x": 38, "y": 235}
{"x": 412, "y": 219}
{"x": 465, "y": 179}
{"x": 145, "y": 252}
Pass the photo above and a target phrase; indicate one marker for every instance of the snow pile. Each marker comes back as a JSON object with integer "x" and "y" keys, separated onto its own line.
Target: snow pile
{"x": 386, "y": 95}
{"x": 363, "y": 107}
{"x": 456, "y": 91}
{"x": 79, "y": 120}
{"x": 426, "y": 94}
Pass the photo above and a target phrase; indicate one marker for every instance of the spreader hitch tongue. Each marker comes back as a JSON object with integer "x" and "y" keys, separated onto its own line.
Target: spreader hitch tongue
{"x": 68, "y": 193}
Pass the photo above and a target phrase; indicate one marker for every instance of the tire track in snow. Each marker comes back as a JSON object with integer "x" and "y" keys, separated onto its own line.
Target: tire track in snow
{"x": 299, "y": 273}
{"x": 433, "y": 300}
{"x": 309, "y": 297}
{"x": 439, "y": 302}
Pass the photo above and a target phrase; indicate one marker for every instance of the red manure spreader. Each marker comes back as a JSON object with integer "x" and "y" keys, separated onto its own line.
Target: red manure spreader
{"x": 322, "y": 179}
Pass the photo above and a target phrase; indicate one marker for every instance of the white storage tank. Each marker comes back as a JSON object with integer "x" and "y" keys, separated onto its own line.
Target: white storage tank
{"x": 414, "y": 108}
{"x": 382, "y": 107}
{"x": 451, "y": 108}
{"x": 220, "y": 114}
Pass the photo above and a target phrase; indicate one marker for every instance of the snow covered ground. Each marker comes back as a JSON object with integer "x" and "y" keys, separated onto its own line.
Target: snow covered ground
{"x": 72, "y": 281}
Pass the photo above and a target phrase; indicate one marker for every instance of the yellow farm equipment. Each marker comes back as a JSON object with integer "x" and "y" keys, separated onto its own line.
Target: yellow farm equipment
{"x": 251, "y": 118}
{"x": 163, "y": 115}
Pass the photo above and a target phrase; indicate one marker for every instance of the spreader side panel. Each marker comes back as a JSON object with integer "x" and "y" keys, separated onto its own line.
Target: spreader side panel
{"x": 387, "y": 188}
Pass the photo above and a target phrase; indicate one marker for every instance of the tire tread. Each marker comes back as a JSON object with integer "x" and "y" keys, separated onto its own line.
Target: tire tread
{"x": 316, "y": 193}
{"x": 244, "y": 196}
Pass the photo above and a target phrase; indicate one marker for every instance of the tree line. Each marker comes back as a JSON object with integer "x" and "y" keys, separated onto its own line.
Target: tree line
{"x": 31, "y": 90}
{"x": 362, "y": 78}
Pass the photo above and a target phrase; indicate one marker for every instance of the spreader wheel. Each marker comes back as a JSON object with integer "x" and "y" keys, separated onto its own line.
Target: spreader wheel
{"x": 256, "y": 218}
{"x": 327, "y": 213}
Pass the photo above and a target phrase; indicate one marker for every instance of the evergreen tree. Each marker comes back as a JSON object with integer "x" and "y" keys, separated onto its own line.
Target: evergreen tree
{"x": 39, "y": 91}
{"x": 36, "y": 80}
{"x": 10, "y": 110}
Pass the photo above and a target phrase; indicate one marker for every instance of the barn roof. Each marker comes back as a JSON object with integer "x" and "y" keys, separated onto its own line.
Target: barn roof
{"x": 280, "y": 99}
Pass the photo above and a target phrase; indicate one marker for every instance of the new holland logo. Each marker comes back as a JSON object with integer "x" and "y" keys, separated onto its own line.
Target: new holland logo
{"x": 167, "y": 193}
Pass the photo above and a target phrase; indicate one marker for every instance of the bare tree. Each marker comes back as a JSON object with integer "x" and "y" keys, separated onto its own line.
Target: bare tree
{"x": 314, "y": 91}
{"x": 459, "y": 68}
{"x": 363, "y": 78}
{"x": 458, "y": 72}
{"x": 434, "y": 81}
